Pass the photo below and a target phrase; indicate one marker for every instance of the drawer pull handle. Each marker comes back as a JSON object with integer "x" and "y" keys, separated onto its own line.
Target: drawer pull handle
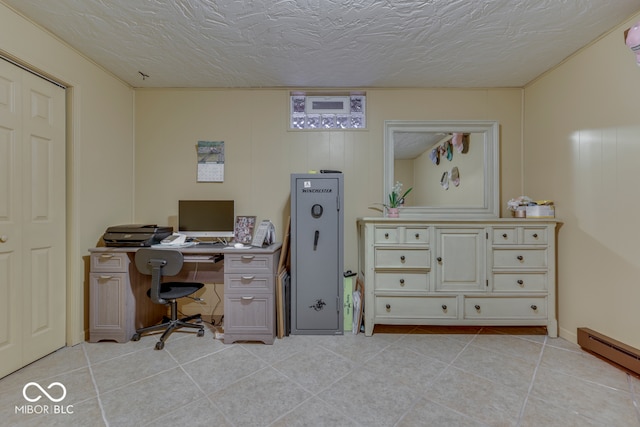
{"x": 402, "y": 258}
{"x": 106, "y": 256}
{"x": 439, "y": 259}
{"x": 444, "y": 307}
{"x": 535, "y": 235}
{"x": 520, "y": 257}
{"x": 105, "y": 277}
{"x": 401, "y": 282}
{"x": 477, "y": 307}
{"x": 247, "y": 298}
{"x": 248, "y": 277}
{"x": 504, "y": 236}
{"x": 520, "y": 282}
{"x": 386, "y": 235}
{"x": 534, "y": 307}
{"x": 388, "y": 306}
{"x": 249, "y": 257}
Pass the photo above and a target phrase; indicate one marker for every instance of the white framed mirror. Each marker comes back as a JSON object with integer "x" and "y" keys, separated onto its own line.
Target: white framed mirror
{"x": 462, "y": 182}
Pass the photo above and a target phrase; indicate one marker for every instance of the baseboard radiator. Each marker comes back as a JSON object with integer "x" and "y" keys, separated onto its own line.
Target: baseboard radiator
{"x": 619, "y": 353}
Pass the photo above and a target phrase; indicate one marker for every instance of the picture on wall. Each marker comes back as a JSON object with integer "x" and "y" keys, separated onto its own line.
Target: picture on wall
{"x": 243, "y": 230}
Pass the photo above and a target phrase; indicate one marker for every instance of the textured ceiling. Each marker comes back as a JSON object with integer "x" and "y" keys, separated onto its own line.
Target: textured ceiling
{"x": 327, "y": 43}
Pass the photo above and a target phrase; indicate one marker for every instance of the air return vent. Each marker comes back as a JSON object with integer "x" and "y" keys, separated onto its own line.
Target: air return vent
{"x": 610, "y": 349}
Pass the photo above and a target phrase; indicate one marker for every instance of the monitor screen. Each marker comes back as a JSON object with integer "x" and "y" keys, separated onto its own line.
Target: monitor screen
{"x": 206, "y": 218}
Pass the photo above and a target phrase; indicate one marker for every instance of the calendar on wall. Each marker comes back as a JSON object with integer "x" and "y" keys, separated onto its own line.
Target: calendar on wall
{"x": 210, "y": 161}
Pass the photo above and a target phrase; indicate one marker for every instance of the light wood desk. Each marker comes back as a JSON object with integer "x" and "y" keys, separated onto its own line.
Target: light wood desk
{"x": 118, "y": 302}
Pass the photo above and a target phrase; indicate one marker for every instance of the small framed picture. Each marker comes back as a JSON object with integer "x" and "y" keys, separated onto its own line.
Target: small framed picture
{"x": 243, "y": 230}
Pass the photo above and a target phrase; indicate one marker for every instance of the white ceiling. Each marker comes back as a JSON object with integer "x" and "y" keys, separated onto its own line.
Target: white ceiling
{"x": 327, "y": 43}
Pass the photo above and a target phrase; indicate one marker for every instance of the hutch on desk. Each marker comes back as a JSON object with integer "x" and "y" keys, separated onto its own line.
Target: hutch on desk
{"x": 118, "y": 302}
{"x": 458, "y": 272}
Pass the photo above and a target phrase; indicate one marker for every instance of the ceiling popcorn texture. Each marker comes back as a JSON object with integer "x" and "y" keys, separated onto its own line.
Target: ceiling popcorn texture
{"x": 327, "y": 43}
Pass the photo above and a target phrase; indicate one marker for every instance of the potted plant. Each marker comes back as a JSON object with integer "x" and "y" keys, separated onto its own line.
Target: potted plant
{"x": 396, "y": 200}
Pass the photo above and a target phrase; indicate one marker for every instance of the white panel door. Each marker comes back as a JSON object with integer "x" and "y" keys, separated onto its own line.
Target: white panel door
{"x": 32, "y": 217}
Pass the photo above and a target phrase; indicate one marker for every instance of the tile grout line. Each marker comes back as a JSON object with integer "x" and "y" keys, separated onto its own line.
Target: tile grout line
{"x": 95, "y": 386}
{"x": 533, "y": 378}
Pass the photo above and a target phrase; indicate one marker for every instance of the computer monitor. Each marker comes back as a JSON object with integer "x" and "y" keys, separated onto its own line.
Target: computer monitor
{"x": 206, "y": 218}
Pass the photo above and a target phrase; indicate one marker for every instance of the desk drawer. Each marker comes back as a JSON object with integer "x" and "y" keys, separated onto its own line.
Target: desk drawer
{"x": 109, "y": 262}
{"x": 248, "y": 262}
{"x": 248, "y": 283}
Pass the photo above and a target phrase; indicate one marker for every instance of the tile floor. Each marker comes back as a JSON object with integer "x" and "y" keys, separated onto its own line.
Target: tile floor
{"x": 408, "y": 376}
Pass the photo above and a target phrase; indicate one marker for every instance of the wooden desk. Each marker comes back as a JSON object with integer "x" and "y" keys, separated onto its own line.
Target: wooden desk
{"x": 118, "y": 302}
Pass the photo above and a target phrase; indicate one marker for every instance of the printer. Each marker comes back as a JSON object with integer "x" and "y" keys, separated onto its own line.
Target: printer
{"x": 135, "y": 235}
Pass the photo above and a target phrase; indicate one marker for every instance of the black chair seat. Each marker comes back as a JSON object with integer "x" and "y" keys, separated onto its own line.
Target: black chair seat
{"x": 166, "y": 262}
{"x": 174, "y": 290}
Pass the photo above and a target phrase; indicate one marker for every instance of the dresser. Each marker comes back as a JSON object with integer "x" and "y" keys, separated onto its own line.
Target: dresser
{"x": 458, "y": 272}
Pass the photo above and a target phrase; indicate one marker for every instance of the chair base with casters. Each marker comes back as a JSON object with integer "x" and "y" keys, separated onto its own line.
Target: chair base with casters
{"x": 163, "y": 262}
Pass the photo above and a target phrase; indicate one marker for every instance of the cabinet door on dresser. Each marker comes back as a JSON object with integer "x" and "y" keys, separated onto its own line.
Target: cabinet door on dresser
{"x": 110, "y": 298}
{"x": 460, "y": 259}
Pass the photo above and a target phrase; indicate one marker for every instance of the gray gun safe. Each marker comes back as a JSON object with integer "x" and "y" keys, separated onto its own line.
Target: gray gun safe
{"x": 317, "y": 226}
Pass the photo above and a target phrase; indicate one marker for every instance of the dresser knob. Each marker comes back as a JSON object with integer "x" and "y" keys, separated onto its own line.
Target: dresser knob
{"x": 386, "y": 235}
{"x": 402, "y": 282}
{"x": 417, "y": 235}
{"x": 535, "y": 235}
{"x": 520, "y": 257}
{"x": 520, "y": 282}
{"x": 439, "y": 259}
{"x": 388, "y": 307}
{"x": 4, "y": 238}
{"x": 402, "y": 258}
{"x": 504, "y": 236}
{"x": 477, "y": 307}
{"x": 534, "y": 307}
{"x": 444, "y": 307}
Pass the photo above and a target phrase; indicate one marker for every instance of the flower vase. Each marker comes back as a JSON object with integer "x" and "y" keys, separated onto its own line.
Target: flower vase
{"x": 393, "y": 212}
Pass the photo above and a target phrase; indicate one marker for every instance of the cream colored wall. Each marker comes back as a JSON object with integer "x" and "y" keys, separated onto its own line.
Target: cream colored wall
{"x": 582, "y": 149}
{"x": 261, "y": 153}
{"x": 99, "y": 149}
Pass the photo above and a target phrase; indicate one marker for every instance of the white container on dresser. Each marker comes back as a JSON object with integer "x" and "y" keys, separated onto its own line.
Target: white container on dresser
{"x": 458, "y": 272}
{"x": 249, "y": 294}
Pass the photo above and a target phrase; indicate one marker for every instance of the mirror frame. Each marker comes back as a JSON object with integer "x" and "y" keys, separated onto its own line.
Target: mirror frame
{"x": 490, "y": 208}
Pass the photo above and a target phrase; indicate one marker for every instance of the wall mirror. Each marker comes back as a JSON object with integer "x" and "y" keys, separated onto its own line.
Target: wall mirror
{"x": 451, "y": 177}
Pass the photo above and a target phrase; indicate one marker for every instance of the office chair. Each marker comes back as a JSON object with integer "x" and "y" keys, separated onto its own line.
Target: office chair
{"x": 166, "y": 262}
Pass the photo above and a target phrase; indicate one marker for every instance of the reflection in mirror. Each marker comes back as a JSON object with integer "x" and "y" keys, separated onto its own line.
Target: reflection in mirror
{"x": 452, "y": 166}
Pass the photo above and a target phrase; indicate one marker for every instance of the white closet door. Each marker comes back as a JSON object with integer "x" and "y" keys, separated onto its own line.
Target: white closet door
{"x": 32, "y": 217}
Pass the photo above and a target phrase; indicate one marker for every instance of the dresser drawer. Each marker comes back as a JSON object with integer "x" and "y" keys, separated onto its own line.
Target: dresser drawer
{"x": 416, "y": 307}
{"x": 505, "y": 236}
{"x": 497, "y": 308}
{"x": 385, "y": 235}
{"x": 253, "y": 263}
{"x": 410, "y": 235}
{"x": 519, "y": 282}
{"x": 403, "y": 258}
{"x": 109, "y": 262}
{"x": 409, "y": 282}
{"x": 248, "y": 283}
{"x": 534, "y": 236}
{"x": 519, "y": 258}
